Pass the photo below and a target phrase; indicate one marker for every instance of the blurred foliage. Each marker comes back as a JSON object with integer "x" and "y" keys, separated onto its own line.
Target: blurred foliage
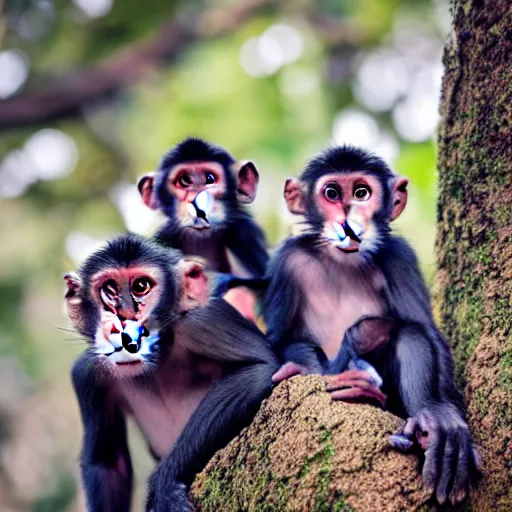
{"x": 279, "y": 120}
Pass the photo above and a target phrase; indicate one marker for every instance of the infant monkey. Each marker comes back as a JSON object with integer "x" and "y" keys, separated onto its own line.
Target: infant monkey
{"x": 191, "y": 370}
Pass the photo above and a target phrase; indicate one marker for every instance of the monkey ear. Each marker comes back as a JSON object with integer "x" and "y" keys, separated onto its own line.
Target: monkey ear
{"x": 294, "y": 195}
{"x": 399, "y": 197}
{"x": 147, "y": 191}
{"x": 195, "y": 283}
{"x": 248, "y": 179}
{"x": 372, "y": 332}
{"x": 73, "y": 283}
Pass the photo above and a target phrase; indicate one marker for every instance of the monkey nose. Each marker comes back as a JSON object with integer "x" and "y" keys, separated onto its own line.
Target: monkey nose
{"x": 131, "y": 336}
{"x": 203, "y": 203}
{"x": 129, "y": 344}
{"x": 353, "y": 230}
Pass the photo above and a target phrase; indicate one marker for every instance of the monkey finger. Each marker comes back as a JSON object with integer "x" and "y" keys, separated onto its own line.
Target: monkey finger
{"x": 340, "y": 379}
{"x": 288, "y": 370}
{"x": 360, "y": 395}
{"x": 352, "y": 383}
{"x": 368, "y": 389}
{"x": 433, "y": 461}
{"x": 447, "y": 466}
{"x": 461, "y": 482}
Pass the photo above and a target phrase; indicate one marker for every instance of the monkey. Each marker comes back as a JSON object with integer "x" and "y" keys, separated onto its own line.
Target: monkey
{"x": 201, "y": 190}
{"x": 190, "y": 369}
{"x": 345, "y": 267}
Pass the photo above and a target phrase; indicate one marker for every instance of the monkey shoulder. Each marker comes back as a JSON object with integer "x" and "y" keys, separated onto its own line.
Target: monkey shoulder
{"x": 293, "y": 254}
{"x": 406, "y": 289}
{"x": 83, "y": 371}
{"x": 396, "y": 251}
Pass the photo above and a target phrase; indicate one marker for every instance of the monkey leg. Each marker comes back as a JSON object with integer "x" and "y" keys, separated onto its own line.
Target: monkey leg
{"x": 225, "y": 410}
{"x": 436, "y": 422}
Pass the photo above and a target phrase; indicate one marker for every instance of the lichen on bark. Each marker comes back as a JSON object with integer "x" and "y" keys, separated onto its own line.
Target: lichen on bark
{"x": 474, "y": 240}
{"x": 305, "y": 452}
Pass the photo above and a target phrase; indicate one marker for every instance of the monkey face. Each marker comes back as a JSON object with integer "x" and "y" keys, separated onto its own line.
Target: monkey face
{"x": 348, "y": 196}
{"x": 128, "y": 332}
{"x": 198, "y": 185}
{"x": 127, "y": 298}
{"x": 199, "y": 188}
{"x": 347, "y": 202}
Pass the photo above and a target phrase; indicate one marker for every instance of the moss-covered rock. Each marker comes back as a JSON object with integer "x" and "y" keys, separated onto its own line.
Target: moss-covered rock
{"x": 304, "y": 452}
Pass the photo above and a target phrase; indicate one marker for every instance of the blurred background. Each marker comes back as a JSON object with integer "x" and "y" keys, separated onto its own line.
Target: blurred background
{"x": 93, "y": 92}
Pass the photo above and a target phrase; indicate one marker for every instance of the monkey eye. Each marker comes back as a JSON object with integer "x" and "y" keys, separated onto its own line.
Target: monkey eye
{"x": 362, "y": 193}
{"x": 142, "y": 286}
{"x": 210, "y": 178}
{"x": 110, "y": 289}
{"x": 332, "y": 193}
{"x": 185, "y": 180}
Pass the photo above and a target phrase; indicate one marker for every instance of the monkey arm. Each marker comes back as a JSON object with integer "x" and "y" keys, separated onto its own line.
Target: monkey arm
{"x": 229, "y": 406}
{"x": 423, "y": 374}
{"x": 105, "y": 459}
{"x": 408, "y": 299}
{"x": 236, "y": 339}
{"x": 281, "y": 310}
{"x": 436, "y": 420}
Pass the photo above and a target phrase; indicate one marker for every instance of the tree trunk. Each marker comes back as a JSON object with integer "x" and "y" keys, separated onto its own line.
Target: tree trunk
{"x": 474, "y": 239}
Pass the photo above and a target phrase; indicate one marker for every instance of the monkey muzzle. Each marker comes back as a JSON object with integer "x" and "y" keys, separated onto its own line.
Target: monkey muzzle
{"x": 347, "y": 237}
{"x": 200, "y": 209}
{"x": 131, "y": 336}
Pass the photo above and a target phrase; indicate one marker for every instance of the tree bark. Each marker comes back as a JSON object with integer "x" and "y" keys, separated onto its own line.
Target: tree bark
{"x": 474, "y": 238}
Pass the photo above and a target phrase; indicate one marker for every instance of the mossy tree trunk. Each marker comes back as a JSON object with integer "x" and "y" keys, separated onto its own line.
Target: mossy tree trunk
{"x": 474, "y": 239}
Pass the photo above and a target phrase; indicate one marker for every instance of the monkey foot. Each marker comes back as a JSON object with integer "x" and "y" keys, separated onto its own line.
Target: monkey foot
{"x": 452, "y": 462}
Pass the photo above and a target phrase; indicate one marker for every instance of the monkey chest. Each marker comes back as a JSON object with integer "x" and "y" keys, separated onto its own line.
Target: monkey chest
{"x": 162, "y": 409}
{"x": 332, "y": 308}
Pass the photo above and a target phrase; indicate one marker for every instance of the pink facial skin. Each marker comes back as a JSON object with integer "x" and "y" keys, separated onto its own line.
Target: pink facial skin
{"x": 354, "y": 197}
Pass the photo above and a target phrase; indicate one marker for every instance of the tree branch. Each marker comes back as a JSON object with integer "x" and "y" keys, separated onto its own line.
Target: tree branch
{"x": 67, "y": 97}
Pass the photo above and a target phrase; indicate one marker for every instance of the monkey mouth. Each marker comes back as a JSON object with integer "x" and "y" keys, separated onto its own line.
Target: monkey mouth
{"x": 353, "y": 247}
{"x": 128, "y": 363}
{"x": 346, "y": 238}
{"x": 201, "y": 223}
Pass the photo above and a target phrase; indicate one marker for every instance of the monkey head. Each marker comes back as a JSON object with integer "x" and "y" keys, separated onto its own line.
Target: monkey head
{"x": 198, "y": 183}
{"x": 348, "y": 197}
{"x": 126, "y": 297}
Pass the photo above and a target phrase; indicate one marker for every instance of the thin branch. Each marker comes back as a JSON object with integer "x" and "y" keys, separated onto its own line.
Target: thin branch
{"x": 68, "y": 96}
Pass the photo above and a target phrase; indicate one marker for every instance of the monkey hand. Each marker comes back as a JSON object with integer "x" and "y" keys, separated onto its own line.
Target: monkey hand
{"x": 288, "y": 370}
{"x": 451, "y": 462}
{"x": 166, "y": 495}
{"x": 355, "y": 386}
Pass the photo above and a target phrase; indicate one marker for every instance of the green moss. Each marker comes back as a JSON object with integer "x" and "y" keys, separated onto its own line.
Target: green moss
{"x": 468, "y": 328}
{"x": 322, "y": 503}
{"x": 481, "y": 401}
